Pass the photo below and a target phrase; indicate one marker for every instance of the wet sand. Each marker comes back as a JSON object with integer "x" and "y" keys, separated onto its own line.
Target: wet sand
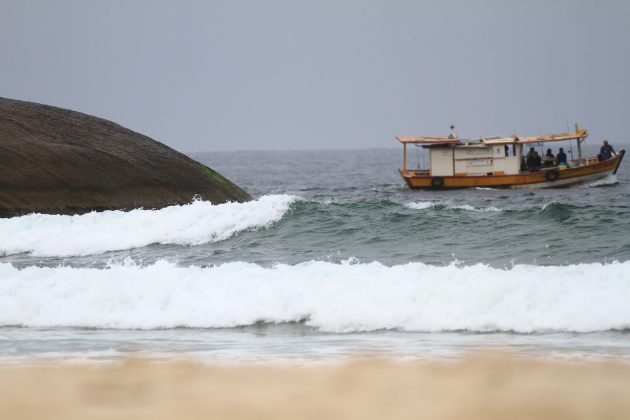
{"x": 479, "y": 387}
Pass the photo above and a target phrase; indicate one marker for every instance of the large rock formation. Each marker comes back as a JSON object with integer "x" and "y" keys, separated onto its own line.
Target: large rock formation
{"x": 53, "y": 160}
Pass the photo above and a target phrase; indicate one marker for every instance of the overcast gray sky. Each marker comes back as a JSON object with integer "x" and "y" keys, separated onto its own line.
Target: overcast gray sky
{"x": 240, "y": 75}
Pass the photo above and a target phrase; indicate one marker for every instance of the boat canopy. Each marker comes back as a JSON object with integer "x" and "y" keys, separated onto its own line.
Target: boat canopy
{"x": 426, "y": 140}
{"x": 579, "y": 133}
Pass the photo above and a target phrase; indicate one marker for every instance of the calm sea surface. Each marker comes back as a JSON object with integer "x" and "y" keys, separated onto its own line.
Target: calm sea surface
{"x": 334, "y": 258}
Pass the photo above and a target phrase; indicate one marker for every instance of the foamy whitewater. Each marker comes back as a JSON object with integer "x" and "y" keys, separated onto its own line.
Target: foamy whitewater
{"x": 331, "y": 297}
{"x": 334, "y": 257}
{"x": 94, "y": 233}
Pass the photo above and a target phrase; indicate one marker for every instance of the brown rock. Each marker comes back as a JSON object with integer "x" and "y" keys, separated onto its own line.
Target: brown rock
{"x": 54, "y": 160}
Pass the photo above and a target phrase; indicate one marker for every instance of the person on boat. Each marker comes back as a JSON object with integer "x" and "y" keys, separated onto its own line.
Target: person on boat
{"x": 561, "y": 158}
{"x": 453, "y": 134}
{"x": 537, "y": 160}
{"x": 549, "y": 158}
{"x": 530, "y": 158}
{"x": 607, "y": 151}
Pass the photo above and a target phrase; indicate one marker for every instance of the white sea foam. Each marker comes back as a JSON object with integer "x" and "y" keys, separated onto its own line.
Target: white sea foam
{"x": 424, "y": 205}
{"x": 468, "y": 207}
{"x": 606, "y": 181}
{"x": 94, "y": 233}
{"x": 333, "y": 297}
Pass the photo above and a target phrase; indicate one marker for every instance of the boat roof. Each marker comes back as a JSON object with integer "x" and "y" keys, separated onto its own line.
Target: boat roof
{"x": 432, "y": 141}
{"x": 578, "y": 134}
{"x": 427, "y": 140}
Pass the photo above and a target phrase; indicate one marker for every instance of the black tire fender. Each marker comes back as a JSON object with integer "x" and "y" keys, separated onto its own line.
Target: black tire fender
{"x": 437, "y": 182}
{"x": 552, "y": 175}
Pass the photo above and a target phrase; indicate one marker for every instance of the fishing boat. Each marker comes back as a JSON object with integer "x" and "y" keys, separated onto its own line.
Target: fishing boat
{"x": 499, "y": 162}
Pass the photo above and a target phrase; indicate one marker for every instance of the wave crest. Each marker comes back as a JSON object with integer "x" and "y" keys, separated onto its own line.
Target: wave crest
{"x": 345, "y": 297}
{"x": 94, "y": 233}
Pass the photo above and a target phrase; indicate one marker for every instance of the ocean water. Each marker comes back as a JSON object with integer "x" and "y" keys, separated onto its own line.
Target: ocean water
{"x": 335, "y": 257}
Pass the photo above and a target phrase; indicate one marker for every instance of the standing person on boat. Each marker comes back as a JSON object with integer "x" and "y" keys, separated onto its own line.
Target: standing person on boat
{"x": 549, "y": 158}
{"x": 531, "y": 157}
{"x": 561, "y": 158}
{"x": 453, "y": 134}
{"x": 607, "y": 151}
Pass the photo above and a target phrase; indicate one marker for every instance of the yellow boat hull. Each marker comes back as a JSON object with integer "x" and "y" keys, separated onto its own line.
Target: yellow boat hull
{"x": 544, "y": 178}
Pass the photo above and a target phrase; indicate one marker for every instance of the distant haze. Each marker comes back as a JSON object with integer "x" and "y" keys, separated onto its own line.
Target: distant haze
{"x": 234, "y": 75}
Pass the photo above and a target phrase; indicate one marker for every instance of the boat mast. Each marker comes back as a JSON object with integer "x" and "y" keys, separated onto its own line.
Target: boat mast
{"x": 579, "y": 144}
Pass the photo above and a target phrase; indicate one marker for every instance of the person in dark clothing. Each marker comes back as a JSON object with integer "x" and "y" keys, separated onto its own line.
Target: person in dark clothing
{"x": 530, "y": 158}
{"x": 537, "y": 161}
{"x": 607, "y": 151}
{"x": 549, "y": 158}
{"x": 561, "y": 158}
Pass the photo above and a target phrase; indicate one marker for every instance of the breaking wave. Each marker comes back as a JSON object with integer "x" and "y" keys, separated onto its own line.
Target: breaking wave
{"x": 94, "y": 233}
{"x": 331, "y": 297}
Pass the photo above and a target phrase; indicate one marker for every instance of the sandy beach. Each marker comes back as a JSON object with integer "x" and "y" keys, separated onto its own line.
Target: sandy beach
{"x": 477, "y": 387}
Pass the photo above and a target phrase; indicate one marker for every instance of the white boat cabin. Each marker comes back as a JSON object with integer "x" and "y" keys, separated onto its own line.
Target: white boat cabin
{"x": 475, "y": 159}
